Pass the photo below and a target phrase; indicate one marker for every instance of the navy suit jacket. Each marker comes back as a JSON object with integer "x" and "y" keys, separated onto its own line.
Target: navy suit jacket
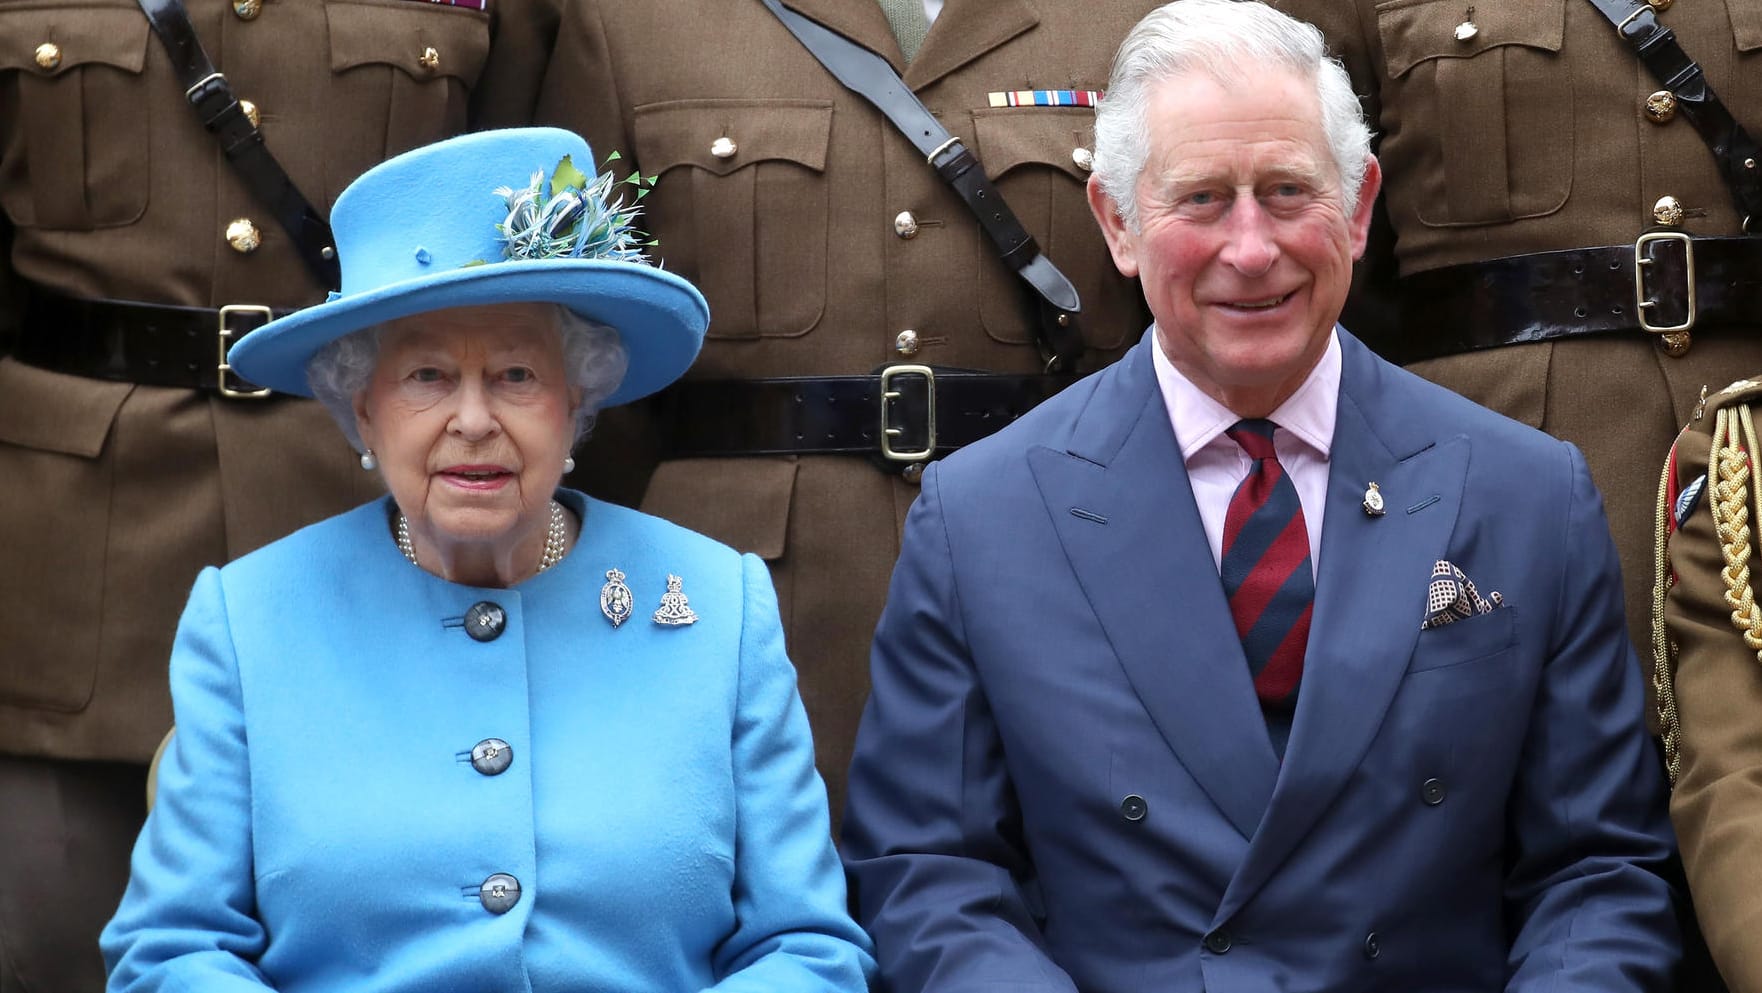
{"x": 1063, "y": 780}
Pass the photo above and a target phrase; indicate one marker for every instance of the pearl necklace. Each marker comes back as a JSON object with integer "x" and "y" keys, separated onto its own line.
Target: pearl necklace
{"x": 556, "y": 539}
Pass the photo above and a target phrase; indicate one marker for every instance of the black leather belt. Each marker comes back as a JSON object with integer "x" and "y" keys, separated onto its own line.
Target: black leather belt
{"x": 148, "y": 344}
{"x": 902, "y": 415}
{"x": 1665, "y": 284}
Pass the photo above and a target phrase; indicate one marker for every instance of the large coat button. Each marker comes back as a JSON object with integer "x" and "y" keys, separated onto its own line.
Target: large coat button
{"x": 1432, "y": 792}
{"x": 1133, "y": 807}
{"x": 485, "y": 621}
{"x": 492, "y": 756}
{"x": 243, "y": 236}
{"x": 1218, "y": 942}
{"x": 499, "y": 893}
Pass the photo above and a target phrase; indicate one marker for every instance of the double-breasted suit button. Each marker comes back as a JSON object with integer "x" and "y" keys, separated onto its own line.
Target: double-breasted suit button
{"x": 1371, "y": 948}
{"x": 1133, "y": 807}
{"x": 485, "y": 621}
{"x": 499, "y": 893}
{"x": 905, "y": 224}
{"x": 48, "y": 56}
{"x": 1218, "y": 942}
{"x": 492, "y": 756}
{"x": 247, "y": 10}
{"x": 1432, "y": 792}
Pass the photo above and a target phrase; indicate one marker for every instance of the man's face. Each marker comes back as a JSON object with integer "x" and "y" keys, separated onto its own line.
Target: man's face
{"x": 1244, "y": 246}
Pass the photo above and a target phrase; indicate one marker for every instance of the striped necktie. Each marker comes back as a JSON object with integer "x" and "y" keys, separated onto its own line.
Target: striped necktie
{"x": 1267, "y": 576}
{"x": 909, "y": 22}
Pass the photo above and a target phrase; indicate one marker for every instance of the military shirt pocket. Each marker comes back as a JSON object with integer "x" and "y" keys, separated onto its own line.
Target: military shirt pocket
{"x": 71, "y": 72}
{"x": 740, "y": 207}
{"x": 1746, "y": 24}
{"x": 1030, "y": 154}
{"x": 1466, "y": 107}
{"x": 401, "y": 77}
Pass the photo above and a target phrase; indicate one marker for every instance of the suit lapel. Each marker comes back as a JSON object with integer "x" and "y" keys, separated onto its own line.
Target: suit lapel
{"x": 1124, "y": 512}
{"x": 965, "y": 30}
{"x": 1370, "y": 597}
{"x": 859, "y": 20}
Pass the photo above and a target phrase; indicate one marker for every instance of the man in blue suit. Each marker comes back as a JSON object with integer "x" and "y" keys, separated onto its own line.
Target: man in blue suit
{"x": 1253, "y": 662}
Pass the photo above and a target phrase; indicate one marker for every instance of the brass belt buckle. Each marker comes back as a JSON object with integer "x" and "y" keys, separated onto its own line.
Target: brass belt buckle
{"x": 1642, "y": 302}
{"x": 223, "y": 372}
{"x": 888, "y": 395}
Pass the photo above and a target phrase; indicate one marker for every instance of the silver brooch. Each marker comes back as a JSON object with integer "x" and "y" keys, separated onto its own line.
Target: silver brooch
{"x": 1373, "y": 501}
{"x": 615, "y": 598}
{"x": 675, "y": 608}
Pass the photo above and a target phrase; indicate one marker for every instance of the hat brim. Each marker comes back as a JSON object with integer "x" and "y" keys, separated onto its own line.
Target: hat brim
{"x": 660, "y": 317}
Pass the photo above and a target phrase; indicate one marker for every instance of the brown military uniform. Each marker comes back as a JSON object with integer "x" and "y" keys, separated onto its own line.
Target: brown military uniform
{"x": 798, "y": 237}
{"x": 117, "y": 494}
{"x": 1708, "y": 637}
{"x": 1531, "y": 136}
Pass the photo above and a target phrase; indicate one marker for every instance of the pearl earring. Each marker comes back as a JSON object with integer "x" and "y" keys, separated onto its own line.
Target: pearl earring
{"x": 568, "y": 463}
{"x": 368, "y": 462}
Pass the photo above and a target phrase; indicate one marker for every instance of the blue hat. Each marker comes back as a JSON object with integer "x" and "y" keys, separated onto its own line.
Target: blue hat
{"x": 510, "y": 216}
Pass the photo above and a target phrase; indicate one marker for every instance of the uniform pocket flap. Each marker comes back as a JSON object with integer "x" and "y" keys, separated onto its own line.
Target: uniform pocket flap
{"x": 1746, "y": 24}
{"x": 741, "y": 502}
{"x": 1016, "y": 136}
{"x": 53, "y": 412}
{"x": 692, "y": 132}
{"x": 80, "y": 35}
{"x": 458, "y": 37}
{"x": 1416, "y": 30}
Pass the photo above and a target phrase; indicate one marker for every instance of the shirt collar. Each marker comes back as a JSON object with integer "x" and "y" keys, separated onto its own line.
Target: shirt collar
{"x": 1308, "y": 414}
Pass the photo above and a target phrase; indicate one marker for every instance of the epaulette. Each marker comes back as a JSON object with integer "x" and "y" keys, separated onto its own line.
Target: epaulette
{"x": 1709, "y": 463}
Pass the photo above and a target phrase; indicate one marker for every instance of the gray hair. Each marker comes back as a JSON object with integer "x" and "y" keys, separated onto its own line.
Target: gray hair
{"x": 594, "y": 361}
{"x": 1230, "y": 41}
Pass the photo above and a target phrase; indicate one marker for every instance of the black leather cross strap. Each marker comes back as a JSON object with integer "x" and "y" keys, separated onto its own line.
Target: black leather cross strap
{"x": 1581, "y": 291}
{"x": 1736, "y": 153}
{"x": 211, "y": 96}
{"x": 140, "y": 343}
{"x": 869, "y": 76}
{"x": 845, "y": 415}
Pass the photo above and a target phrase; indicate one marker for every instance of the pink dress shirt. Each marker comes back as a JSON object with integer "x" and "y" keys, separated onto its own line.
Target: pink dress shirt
{"x": 1303, "y": 433}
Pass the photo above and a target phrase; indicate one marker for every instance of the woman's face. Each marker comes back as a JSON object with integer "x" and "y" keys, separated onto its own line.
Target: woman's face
{"x": 469, "y": 413}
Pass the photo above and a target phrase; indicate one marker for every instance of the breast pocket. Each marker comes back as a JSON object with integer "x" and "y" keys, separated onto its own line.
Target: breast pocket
{"x": 401, "y": 77}
{"x": 1471, "y": 639}
{"x": 740, "y": 207}
{"x": 72, "y": 75}
{"x": 1466, "y": 107}
{"x": 1031, "y": 156}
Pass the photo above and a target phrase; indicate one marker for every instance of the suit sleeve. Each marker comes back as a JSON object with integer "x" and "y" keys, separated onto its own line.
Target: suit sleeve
{"x": 794, "y": 933}
{"x": 1717, "y": 805}
{"x": 932, "y": 838}
{"x": 188, "y": 919}
{"x": 1586, "y": 817}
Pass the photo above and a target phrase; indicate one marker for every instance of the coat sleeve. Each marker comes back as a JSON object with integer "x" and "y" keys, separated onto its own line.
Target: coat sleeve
{"x": 932, "y": 833}
{"x": 794, "y": 932}
{"x": 1590, "y": 838}
{"x": 188, "y": 919}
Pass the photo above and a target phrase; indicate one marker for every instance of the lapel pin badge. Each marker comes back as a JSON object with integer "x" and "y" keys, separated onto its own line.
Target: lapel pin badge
{"x": 675, "y": 608}
{"x": 1373, "y": 501}
{"x": 615, "y": 598}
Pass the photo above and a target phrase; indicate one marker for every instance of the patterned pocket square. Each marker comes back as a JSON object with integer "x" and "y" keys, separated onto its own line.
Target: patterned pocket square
{"x": 1452, "y": 597}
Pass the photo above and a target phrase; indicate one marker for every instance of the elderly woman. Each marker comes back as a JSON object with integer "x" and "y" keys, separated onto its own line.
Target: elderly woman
{"x": 485, "y": 734}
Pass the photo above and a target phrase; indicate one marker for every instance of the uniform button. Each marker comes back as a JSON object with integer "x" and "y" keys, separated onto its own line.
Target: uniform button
{"x": 485, "y": 621}
{"x": 492, "y": 756}
{"x": 724, "y": 147}
{"x": 251, "y": 112}
{"x": 1432, "y": 792}
{"x": 905, "y": 225}
{"x": 913, "y": 473}
{"x": 429, "y": 60}
{"x": 1371, "y": 948}
{"x": 48, "y": 55}
{"x": 1133, "y": 807}
{"x": 1084, "y": 158}
{"x": 247, "y": 9}
{"x": 1667, "y": 211}
{"x": 1466, "y": 31}
{"x": 906, "y": 342}
{"x": 499, "y": 893}
{"x": 1661, "y": 107}
{"x": 243, "y": 236}
{"x": 1218, "y": 942}
{"x": 1660, "y": 5}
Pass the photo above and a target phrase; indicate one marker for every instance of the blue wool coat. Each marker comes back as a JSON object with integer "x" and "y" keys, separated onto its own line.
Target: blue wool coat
{"x": 320, "y": 824}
